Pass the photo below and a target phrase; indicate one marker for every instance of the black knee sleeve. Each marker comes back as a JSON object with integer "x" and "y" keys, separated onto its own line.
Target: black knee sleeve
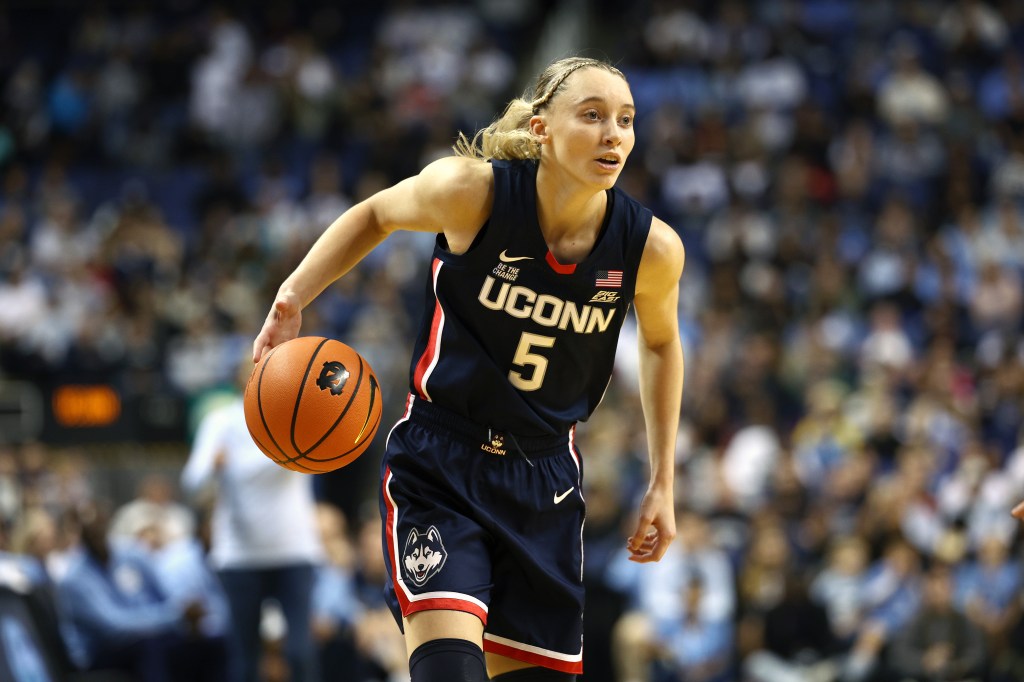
{"x": 535, "y": 675}
{"x": 448, "y": 660}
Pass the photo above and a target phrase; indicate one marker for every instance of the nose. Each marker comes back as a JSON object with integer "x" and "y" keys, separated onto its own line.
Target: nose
{"x": 612, "y": 134}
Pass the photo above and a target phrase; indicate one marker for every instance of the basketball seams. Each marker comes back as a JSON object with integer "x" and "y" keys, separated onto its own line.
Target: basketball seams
{"x": 263, "y": 417}
{"x": 344, "y": 411}
{"x": 280, "y": 385}
{"x": 374, "y": 389}
{"x": 298, "y": 399}
{"x": 354, "y": 451}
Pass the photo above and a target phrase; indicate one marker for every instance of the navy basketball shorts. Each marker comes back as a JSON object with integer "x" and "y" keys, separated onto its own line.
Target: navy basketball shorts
{"x": 474, "y": 522}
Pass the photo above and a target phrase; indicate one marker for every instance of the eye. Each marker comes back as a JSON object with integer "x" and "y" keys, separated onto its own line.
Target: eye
{"x": 591, "y": 115}
{"x": 626, "y": 121}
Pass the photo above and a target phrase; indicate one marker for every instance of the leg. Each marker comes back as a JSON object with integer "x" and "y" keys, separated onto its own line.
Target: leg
{"x": 445, "y": 646}
{"x": 632, "y": 640}
{"x": 500, "y": 665}
{"x": 244, "y": 591}
{"x": 293, "y": 587}
{"x": 424, "y": 626}
{"x": 535, "y": 674}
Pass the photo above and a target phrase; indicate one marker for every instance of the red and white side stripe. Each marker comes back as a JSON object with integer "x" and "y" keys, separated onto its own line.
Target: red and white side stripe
{"x": 564, "y": 663}
{"x": 425, "y": 365}
{"x": 411, "y": 603}
{"x": 579, "y": 488}
{"x": 409, "y": 400}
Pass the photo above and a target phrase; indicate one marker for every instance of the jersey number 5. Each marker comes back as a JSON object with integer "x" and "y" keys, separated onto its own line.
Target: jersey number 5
{"x": 526, "y": 358}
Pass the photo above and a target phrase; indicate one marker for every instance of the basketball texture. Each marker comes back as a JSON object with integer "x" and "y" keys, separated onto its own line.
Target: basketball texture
{"x": 312, "y": 404}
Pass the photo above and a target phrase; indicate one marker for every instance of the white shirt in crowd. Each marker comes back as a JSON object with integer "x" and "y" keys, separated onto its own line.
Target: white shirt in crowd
{"x": 264, "y": 515}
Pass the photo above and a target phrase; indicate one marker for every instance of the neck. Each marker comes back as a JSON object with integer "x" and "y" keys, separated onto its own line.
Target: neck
{"x": 570, "y": 214}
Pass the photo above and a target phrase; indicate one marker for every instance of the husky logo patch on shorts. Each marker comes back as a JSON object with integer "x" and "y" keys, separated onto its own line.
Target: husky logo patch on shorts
{"x": 424, "y": 555}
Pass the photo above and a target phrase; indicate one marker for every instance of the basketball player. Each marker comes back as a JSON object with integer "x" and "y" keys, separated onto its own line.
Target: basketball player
{"x": 537, "y": 260}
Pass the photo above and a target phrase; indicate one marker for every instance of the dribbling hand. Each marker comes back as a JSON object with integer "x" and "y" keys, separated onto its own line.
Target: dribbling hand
{"x": 282, "y": 324}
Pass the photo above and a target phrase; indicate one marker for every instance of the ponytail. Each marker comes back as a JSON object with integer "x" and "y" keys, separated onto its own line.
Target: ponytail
{"x": 509, "y": 137}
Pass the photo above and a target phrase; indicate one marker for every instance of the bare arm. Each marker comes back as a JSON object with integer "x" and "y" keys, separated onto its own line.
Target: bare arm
{"x": 452, "y": 195}
{"x": 661, "y": 385}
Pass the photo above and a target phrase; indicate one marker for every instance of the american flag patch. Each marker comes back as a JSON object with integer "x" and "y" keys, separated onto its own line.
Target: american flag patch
{"x": 611, "y": 279}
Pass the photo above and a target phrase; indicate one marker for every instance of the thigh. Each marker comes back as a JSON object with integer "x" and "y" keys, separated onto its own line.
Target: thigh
{"x": 436, "y": 551}
{"x": 424, "y": 626}
{"x": 537, "y": 599}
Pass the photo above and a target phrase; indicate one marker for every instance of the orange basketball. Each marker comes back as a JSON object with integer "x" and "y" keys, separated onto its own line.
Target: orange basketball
{"x": 312, "y": 404}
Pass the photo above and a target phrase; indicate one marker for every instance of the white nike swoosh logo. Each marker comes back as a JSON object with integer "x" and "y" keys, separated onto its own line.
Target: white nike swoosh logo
{"x": 505, "y": 258}
{"x": 559, "y": 498}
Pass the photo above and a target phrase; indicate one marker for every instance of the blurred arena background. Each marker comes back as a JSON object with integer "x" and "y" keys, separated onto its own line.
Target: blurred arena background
{"x": 847, "y": 178}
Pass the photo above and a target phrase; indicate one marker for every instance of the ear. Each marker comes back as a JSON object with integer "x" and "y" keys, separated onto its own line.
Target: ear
{"x": 539, "y": 128}
{"x": 433, "y": 535}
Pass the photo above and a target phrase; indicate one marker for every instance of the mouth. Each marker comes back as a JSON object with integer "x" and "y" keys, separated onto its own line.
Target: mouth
{"x": 610, "y": 162}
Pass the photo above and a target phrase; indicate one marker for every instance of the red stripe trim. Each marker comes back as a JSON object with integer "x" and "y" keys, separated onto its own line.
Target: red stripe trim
{"x": 570, "y": 667}
{"x": 445, "y": 604}
{"x": 407, "y": 605}
{"x": 558, "y": 267}
{"x": 572, "y": 447}
{"x": 389, "y": 525}
{"x": 419, "y": 375}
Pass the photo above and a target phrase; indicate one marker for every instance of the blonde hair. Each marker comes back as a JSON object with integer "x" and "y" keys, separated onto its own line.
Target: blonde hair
{"x": 509, "y": 137}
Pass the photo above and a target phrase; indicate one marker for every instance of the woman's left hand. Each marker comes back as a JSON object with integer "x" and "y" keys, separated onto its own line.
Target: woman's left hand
{"x": 656, "y": 528}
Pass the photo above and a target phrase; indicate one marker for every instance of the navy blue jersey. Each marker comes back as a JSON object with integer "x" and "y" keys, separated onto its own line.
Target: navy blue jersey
{"x": 512, "y": 338}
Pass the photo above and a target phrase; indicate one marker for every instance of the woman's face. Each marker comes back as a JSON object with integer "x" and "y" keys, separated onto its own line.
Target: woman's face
{"x": 587, "y": 129}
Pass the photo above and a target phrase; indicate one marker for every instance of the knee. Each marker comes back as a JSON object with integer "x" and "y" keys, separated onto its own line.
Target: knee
{"x": 448, "y": 660}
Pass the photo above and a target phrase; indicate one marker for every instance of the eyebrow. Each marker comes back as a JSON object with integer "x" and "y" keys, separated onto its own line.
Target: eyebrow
{"x": 595, "y": 98}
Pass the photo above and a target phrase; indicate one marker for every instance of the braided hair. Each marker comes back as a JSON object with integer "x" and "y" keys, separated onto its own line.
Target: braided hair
{"x": 509, "y": 137}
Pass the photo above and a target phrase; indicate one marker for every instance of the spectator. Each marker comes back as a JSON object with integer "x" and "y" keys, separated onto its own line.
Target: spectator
{"x": 264, "y": 537}
{"x": 909, "y": 92}
{"x": 182, "y": 568}
{"x": 118, "y": 617}
{"x": 797, "y": 640}
{"x": 660, "y": 595}
{"x": 154, "y": 500}
{"x": 988, "y": 589}
{"x": 336, "y": 608}
{"x": 380, "y": 646}
{"x": 838, "y": 587}
{"x": 890, "y": 598}
{"x": 697, "y": 645}
{"x": 940, "y": 642}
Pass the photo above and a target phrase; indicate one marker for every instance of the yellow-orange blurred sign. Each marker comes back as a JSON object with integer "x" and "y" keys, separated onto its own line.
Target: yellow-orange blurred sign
{"x": 85, "y": 405}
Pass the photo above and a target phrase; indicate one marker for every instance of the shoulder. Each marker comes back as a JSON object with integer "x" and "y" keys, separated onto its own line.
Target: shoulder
{"x": 457, "y": 195}
{"x": 456, "y": 180}
{"x": 453, "y": 195}
{"x": 663, "y": 258}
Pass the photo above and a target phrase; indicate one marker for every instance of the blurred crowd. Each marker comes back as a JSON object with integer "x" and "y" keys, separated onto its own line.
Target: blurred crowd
{"x": 847, "y": 178}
